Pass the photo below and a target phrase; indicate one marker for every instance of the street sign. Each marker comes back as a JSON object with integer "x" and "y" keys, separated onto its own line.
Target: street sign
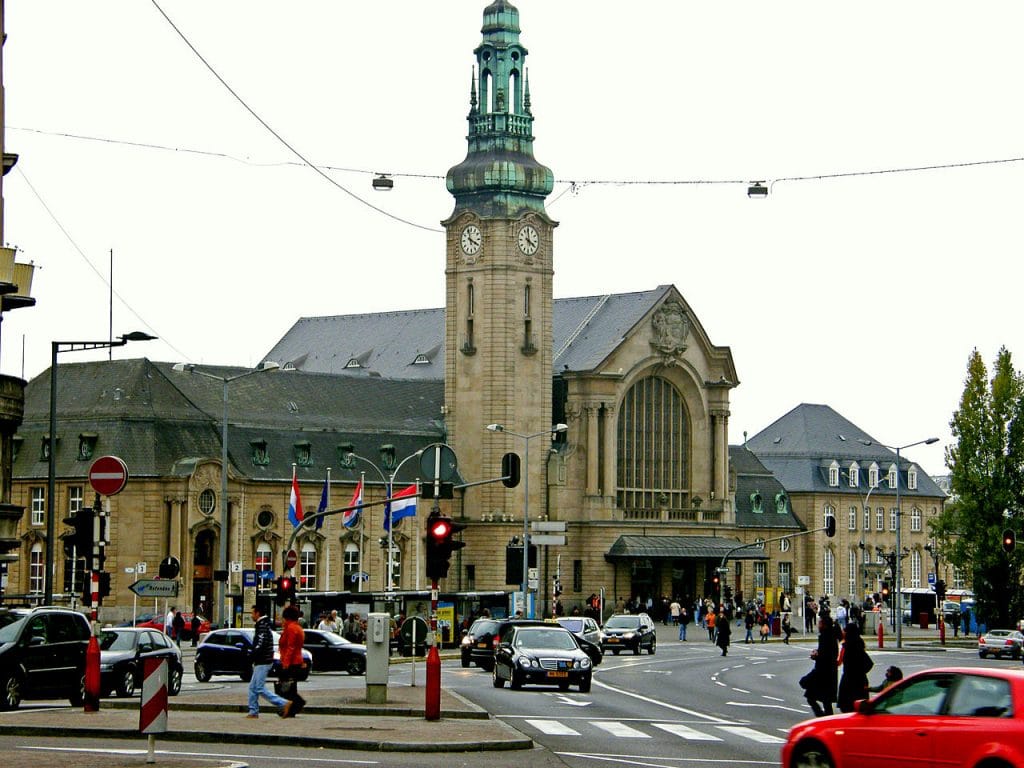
{"x": 155, "y": 588}
{"x": 169, "y": 568}
{"x": 236, "y": 566}
{"x": 249, "y": 578}
{"x": 549, "y": 526}
{"x": 931, "y": 579}
{"x": 532, "y": 573}
{"x": 140, "y": 567}
{"x": 290, "y": 558}
{"x": 108, "y": 475}
{"x": 548, "y": 539}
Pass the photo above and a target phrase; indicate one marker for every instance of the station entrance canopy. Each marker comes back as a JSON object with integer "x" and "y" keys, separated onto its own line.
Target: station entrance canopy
{"x": 680, "y": 548}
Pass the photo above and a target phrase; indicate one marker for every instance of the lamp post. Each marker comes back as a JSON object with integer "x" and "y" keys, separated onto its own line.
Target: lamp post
{"x": 56, "y": 347}
{"x": 897, "y": 570}
{"x": 389, "y": 483}
{"x": 224, "y": 522}
{"x": 555, "y": 429}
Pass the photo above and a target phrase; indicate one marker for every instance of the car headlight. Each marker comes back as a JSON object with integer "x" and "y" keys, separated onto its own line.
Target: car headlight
{"x": 629, "y": 635}
{"x": 467, "y": 640}
{"x": 527, "y": 663}
{"x": 584, "y": 663}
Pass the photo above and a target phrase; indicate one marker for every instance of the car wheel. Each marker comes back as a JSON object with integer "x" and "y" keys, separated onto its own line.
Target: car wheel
{"x": 355, "y": 666}
{"x": 174, "y": 682}
{"x": 636, "y": 649}
{"x": 202, "y": 672}
{"x": 654, "y": 646}
{"x": 77, "y": 697}
{"x": 10, "y": 689}
{"x": 810, "y": 756}
{"x": 498, "y": 682}
{"x": 585, "y": 684}
{"x": 126, "y": 682}
{"x": 982, "y": 654}
{"x": 465, "y": 662}
{"x": 514, "y": 681}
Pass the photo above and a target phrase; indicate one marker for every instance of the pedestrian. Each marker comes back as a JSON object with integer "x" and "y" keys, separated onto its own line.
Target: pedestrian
{"x": 673, "y": 609}
{"x": 262, "y": 657}
{"x": 765, "y": 628}
{"x": 892, "y": 675}
{"x": 821, "y": 682}
{"x": 329, "y": 623}
{"x": 787, "y": 628}
{"x": 196, "y": 623}
{"x": 710, "y": 622}
{"x": 684, "y": 619}
{"x": 856, "y": 663}
{"x": 178, "y": 625}
{"x": 748, "y": 622}
{"x": 841, "y": 614}
{"x": 169, "y": 622}
{"x": 722, "y": 633}
{"x": 292, "y": 665}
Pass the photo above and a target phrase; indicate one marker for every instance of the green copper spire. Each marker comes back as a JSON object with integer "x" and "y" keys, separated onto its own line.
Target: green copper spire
{"x": 500, "y": 176}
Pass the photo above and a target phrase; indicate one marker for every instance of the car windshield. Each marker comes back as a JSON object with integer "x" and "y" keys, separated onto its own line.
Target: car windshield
{"x": 544, "y": 638}
{"x": 10, "y": 627}
{"x": 623, "y": 622}
{"x": 116, "y": 641}
{"x": 1000, "y": 633}
{"x": 483, "y": 626}
{"x": 573, "y": 625}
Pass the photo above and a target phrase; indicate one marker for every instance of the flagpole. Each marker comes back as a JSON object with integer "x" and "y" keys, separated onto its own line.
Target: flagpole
{"x": 359, "y": 534}
{"x": 327, "y": 533}
{"x": 389, "y": 518}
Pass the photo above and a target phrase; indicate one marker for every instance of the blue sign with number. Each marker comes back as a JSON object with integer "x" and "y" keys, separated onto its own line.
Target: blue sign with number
{"x": 248, "y": 578}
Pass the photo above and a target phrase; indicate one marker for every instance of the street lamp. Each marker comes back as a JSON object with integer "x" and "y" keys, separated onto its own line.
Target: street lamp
{"x": 555, "y": 429}
{"x": 56, "y": 347}
{"x": 225, "y": 380}
{"x": 897, "y": 571}
{"x": 389, "y": 482}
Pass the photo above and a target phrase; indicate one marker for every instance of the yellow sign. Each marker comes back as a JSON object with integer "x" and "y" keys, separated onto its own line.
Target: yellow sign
{"x": 446, "y": 622}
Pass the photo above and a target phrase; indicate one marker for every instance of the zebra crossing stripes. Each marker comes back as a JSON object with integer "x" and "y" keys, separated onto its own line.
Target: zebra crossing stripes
{"x": 684, "y": 731}
{"x": 553, "y": 728}
{"x": 623, "y": 731}
{"x": 750, "y": 733}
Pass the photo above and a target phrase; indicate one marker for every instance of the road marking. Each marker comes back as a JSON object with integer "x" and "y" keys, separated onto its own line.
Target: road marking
{"x": 553, "y": 728}
{"x": 755, "y": 705}
{"x": 686, "y": 732}
{"x": 684, "y": 710}
{"x": 750, "y": 733}
{"x": 621, "y": 730}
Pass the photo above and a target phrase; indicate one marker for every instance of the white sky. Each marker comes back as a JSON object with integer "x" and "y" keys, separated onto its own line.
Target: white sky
{"x": 866, "y": 293}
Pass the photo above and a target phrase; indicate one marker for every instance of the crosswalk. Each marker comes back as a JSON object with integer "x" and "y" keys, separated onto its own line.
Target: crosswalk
{"x": 621, "y": 730}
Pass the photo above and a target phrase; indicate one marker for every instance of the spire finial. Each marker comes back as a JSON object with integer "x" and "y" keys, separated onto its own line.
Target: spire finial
{"x": 472, "y": 93}
{"x": 526, "y": 93}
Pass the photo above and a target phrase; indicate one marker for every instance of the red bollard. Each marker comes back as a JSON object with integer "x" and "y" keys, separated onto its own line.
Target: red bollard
{"x": 92, "y": 675}
{"x": 432, "y": 707}
{"x": 881, "y": 632}
{"x": 942, "y": 631}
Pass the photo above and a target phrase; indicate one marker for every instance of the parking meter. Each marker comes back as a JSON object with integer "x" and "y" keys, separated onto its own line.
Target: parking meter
{"x": 378, "y": 654}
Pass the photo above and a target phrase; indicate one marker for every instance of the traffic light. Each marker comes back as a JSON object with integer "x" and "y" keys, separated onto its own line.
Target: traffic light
{"x": 940, "y": 589}
{"x": 104, "y": 584}
{"x": 556, "y": 588}
{"x": 885, "y": 591}
{"x": 727, "y": 593}
{"x": 1009, "y": 540}
{"x": 82, "y": 538}
{"x": 440, "y": 544}
{"x": 510, "y": 470}
{"x": 284, "y": 588}
{"x": 715, "y": 584}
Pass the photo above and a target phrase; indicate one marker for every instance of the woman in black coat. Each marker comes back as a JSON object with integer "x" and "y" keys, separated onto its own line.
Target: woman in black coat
{"x": 856, "y": 665}
{"x": 821, "y": 683}
{"x": 724, "y": 632}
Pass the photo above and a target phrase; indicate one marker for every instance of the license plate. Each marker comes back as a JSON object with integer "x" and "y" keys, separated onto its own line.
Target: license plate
{"x": 481, "y": 645}
{"x": 558, "y": 674}
{"x": 613, "y": 639}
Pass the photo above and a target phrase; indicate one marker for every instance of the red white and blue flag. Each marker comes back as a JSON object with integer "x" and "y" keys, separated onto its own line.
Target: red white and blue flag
{"x": 295, "y": 502}
{"x": 350, "y": 517}
{"x": 402, "y": 504}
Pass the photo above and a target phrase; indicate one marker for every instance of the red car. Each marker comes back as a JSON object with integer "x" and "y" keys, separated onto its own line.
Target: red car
{"x": 956, "y": 716}
{"x": 157, "y": 622}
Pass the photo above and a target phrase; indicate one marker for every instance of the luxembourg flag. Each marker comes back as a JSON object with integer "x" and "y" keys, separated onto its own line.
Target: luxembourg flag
{"x": 295, "y": 502}
{"x": 350, "y": 517}
{"x": 402, "y": 504}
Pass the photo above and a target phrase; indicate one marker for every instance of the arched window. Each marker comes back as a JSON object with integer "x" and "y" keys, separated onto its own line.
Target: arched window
{"x": 264, "y": 563}
{"x": 350, "y": 566}
{"x": 828, "y": 572}
{"x": 833, "y": 474}
{"x": 915, "y": 569}
{"x": 36, "y": 568}
{"x": 854, "y": 475}
{"x": 915, "y": 519}
{"x": 653, "y": 447}
{"x": 307, "y": 567}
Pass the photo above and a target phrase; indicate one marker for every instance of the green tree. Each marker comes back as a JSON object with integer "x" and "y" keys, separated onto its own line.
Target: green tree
{"x": 986, "y": 464}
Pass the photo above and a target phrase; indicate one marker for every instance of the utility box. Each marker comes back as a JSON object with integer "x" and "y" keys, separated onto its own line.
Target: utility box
{"x": 378, "y": 657}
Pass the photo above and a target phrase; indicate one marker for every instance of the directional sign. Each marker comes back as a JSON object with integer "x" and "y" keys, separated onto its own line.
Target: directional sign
{"x": 548, "y": 539}
{"x": 108, "y": 475}
{"x": 155, "y": 588}
{"x": 249, "y": 578}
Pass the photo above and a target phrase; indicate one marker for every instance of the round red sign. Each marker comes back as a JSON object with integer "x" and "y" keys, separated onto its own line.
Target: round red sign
{"x": 290, "y": 559}
{"x": 108, "y": 475}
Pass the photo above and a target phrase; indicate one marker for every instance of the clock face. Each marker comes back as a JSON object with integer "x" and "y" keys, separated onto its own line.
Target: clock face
{"x": 471, "y": 240}
{"x": 528, "y": 240}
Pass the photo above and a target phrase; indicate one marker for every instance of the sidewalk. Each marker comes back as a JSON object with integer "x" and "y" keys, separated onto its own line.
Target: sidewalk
{"x": 331, "y": 720}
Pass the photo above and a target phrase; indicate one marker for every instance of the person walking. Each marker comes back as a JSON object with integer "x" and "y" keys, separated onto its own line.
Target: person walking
{"x": 290, "y": 649}
{"x": 856, "y": 663}
{"x": 820, "y": 683}
{"x": 723, "y": 632}
{"x": 196, "y": 623}
{"x": 178, "y": 625}
{"x": 748, "y": 622}
{"x": 787, "y": 628}
{"x": 684, "y": 619}
{"x": 169, "y": 622}
{"x": 710, "y": 622}
{"x": 262, "y": 656}
{"x": 673, "y": 609}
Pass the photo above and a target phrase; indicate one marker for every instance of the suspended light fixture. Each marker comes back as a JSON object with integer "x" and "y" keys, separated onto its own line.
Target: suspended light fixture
{"x": 383, "y": 183}
{"x": 757, "y": 189}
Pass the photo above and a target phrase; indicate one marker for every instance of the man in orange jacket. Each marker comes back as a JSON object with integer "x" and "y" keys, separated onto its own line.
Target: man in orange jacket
{"x": 290, "y": 648}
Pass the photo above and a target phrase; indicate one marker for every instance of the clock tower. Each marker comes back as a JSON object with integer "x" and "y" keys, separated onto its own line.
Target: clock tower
{"x": 498, "y": 343}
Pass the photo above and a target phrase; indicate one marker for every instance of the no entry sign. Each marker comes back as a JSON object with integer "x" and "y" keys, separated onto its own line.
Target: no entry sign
{"x": 108, "y": 475}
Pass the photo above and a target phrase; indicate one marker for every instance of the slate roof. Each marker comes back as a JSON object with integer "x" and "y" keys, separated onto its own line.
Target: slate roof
{"x": 752, "y": 477}
{"x": 586, "y": 330}
{"x": 161, "y": 421}
{"x": 799, "y": 447}
{"x": 678, "y": 547}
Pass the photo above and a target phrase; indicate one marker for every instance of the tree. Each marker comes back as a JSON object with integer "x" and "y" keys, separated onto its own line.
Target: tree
{"x": 986, "y": 465}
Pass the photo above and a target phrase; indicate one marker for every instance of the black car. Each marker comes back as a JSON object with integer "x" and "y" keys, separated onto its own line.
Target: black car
{"x": 226, "y": 652}
{"x": 122, "y": 654}
{"x": 544, "y": 655}
{"x": 42, "y": 655}
{"x": 333, "y": 653}
{"x": 634, "y": 631}
{"x": 479, "y": 642}
{"x": 588, "y": 633}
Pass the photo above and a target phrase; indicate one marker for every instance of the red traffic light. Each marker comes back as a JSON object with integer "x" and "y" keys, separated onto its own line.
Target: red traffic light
{"x": 439, "y": 529}
{"x": 1009, "y": 540}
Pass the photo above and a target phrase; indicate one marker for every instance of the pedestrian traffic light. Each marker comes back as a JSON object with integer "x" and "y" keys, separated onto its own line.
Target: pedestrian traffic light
{"x": 440, "y": 544}
{"x": 1009, "y": 540}
{"x": 510, "y": 470}
{"x": 727, "y": 592}
{"x": 885, "y": 591}
{"x": 940, "y": 589}
{"x": 82, "y": 538}
{"x": 284, "y": 588}
{"x": 104, "y": 584}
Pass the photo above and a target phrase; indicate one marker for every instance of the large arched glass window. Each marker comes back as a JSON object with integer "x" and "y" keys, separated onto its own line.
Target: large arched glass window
{"x": 36, "y": 568}
{"x": 307, "y": 567}
{"x": 653, "y": 447}
{"x": 264, "y": 563}
{"x": 828, "y": 572}
{"x": 351, "y": 566}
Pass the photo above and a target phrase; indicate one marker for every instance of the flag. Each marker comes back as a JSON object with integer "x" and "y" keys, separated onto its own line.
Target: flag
{"x": 402, "y": 504}
{"x": 322, "y": 506}
{"x": 350, "y": 517}
{"x": 295, "y": 502}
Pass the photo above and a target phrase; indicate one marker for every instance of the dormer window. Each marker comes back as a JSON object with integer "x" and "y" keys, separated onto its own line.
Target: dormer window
{"x": 353, "y": 363}
{"x": 44, "y": 448}
{"x": 854, "y": 475}
{"x": 86, "y": 445}
{"x": 912, "y": 478}
{"x": 260, "y": 454}
{"x": 304, "y": 454}
{"x": 892, "y": 476}
{"x": 780, "y": 503}
{"x": 833, "y": 475}
{"x": 16, "y": 442}
{"x": 421, "y": 360}
{"x": 873, "y": 475}
{"x": 756, "y": 502}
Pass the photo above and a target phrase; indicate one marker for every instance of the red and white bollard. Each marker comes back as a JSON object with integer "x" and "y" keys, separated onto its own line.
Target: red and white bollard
{"x": 881, "y": 632}
{"x": 153, "y": 712}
